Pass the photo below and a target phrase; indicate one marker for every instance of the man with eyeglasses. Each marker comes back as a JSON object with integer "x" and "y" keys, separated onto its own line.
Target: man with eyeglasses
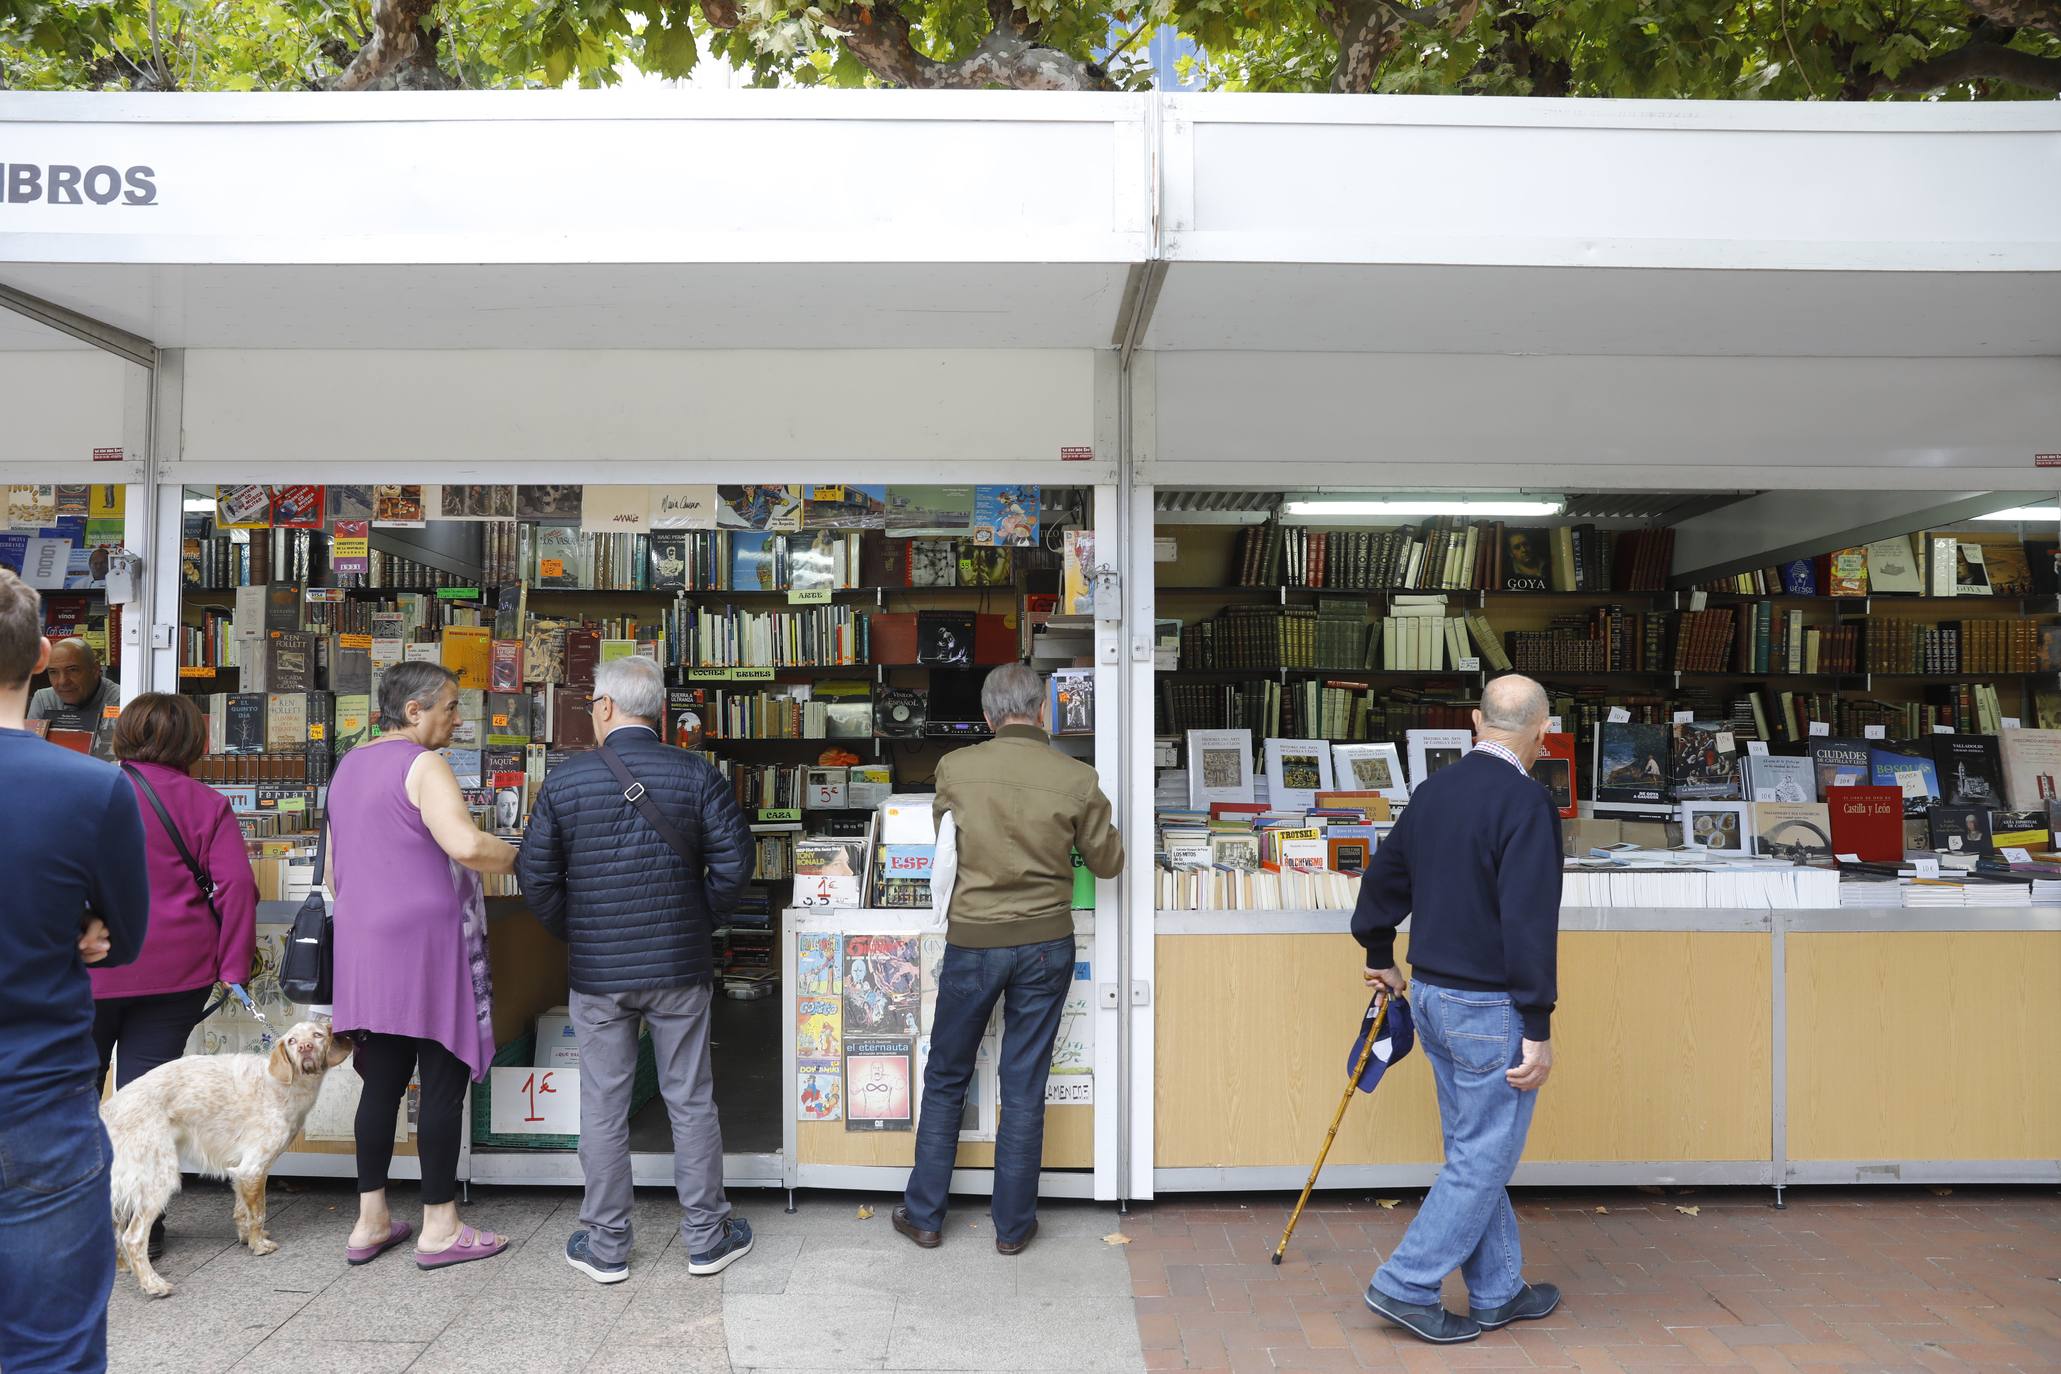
{"x": 635, "y": 852}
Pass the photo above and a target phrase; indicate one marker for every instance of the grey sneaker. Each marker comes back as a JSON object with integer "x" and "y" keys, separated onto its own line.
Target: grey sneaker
{"x": 579, "y": 1254}
{"x": 1533, "y": 1301}
{"x": 1427, "y": 1323}
{"x": 731, "y": 1246}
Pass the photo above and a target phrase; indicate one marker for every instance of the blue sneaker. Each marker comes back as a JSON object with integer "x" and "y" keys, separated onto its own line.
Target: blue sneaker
{"x": 580, "y": 1255}
{"x": 733, "y": 1245}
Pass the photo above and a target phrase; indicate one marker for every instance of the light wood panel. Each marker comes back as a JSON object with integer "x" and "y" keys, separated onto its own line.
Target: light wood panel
{"x": 1069, "y": 1143}
{"x": 528, "y": 966}
{"x": 1924, "y": 1046}
{"x": 1662, "y": 1043}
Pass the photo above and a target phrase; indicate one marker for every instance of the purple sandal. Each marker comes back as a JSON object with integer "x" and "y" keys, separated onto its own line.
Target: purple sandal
{"x": 365, "y": 1254}
{"x": 467, "y": 1248}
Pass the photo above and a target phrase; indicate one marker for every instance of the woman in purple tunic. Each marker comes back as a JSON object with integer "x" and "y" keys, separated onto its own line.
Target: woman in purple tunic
{"x": 411, "y": 955}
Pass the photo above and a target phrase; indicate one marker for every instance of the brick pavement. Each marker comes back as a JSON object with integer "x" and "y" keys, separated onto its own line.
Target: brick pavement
{"x": 1888, "y": 1279}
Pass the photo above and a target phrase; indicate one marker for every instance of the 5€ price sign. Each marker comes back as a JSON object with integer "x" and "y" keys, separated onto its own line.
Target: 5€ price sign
{"x": 530, "y": 1101}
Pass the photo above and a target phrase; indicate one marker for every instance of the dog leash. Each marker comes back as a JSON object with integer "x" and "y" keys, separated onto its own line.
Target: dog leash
{"x": 237, "y": 991}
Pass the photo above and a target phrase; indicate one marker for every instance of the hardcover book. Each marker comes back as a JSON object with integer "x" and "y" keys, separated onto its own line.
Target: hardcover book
{"x": 1892, "y": 567}
{"x": 2032, "y": 767}
{"x": 504, "y": 666}
{"x": 668, "y": 560}
{"x": 1780, "y": 778}
{"x": 1971, "y": 771}
{"x": 1868, "y": 823}
{"x": 1432, "y": 750}
{"x": 1526, "y": 559}
{"x": 1717, "y": 826}
{"x": 1791, "y": 830}
{"x": 1840, "y": 763}
{"x": 243, "y": 723}
{"x": 1370, "y": 768}
{"x": 753, "y": 563}
{"x": 1962, "y": 830}
{"x": 1907, "y": 765}
{"x": 1848, "y": 573}
{"x": 1297, "y": 769}
{"x": 1219, "y": 767}
{"x": 1555, "y": 769}
{"x": 557, "y": 556}
{"x": 1071, "y": 709}
{"x": 1800, "y": 578}
{"x": 1703, "y": 760}
{"x": 1631, "y": 762}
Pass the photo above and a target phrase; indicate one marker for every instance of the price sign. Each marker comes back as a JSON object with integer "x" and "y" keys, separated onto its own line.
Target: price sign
{"x": 500, "y": 719}
{"x": 708, "y": 674}
{"x": 197, "y": 670}
{"x": 1926, "y": 868}
{"x": 1619, "y": 715}
{"x": 1469, "y": 665}
{"x": 1874, "y": 732}
{"x": 535, "y": 1101}
{"x": 809, "y": 596}
{"x": 291, "y": 804}
{"x": 1820, "y": 729}
{"x": 1684, "y": 717}
{"x": 1553, "y": 726}
{"x": 551, "y": 567}
{"x": 1757, "y": 748}
{"x": 779, "y": 816}
{"x": 317, "y": 730}
{"x": 457, "y": 593}
{"x": 2009, "y": 723}
{"x": 321, "y": 595}
{"x": 761, "y": 673}
{"x": 354, "y": 641}
{"x": 2017, "y": 856}
{"x": 1725, "y": 743}
{"x": 824, "y": 796}
{"x": 1848, "y": 858}
{"x": 1942, "y": 729}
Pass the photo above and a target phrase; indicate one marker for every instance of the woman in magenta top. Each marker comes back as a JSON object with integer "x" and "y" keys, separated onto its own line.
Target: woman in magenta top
{"x": 411, "y": 955}
{"x": 143, "y": 1013}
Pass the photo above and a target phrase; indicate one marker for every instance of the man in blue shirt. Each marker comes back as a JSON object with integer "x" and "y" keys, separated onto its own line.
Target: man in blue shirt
{"x": 75, "y": 891}
{"x": 1474, "y": 862}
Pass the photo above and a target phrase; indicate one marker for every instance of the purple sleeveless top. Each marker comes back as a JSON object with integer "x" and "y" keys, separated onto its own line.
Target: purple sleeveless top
{"x": 411, "y": 949}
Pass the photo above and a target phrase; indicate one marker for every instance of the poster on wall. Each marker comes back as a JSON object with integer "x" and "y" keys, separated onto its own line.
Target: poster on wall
{"x": 31, "y": 507}
{"x": 683, "y": 507}
{"x": 71, "y": 500}
{"x": 397, "y": 507}
{"x": 1073, "y": 1052}
{"x": 475, "y": 501}
{"x": 350, "y": 503}
{"x": 762, "y": 506}
{"x": 549, "y": 501}
{"x": 1005, "y": 516}
{"x": 914, "y": 511}
{"x": 246, "y": 507}
{"x": 297, "y": 507}
{"x": 845, "y": 507}
{"x": 351, "y": 549}
{"x": 615, "y": 510}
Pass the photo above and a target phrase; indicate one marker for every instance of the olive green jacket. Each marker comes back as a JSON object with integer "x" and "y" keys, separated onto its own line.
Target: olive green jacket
{"x": 1021, "y": 808}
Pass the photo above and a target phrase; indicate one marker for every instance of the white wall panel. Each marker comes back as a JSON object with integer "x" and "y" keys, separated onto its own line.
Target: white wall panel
{"x": 56, "y": 407}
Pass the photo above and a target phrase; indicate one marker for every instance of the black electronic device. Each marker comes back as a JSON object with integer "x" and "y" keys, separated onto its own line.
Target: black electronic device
{"x": 955, "y": 705}
{"x": 898, "y": 713}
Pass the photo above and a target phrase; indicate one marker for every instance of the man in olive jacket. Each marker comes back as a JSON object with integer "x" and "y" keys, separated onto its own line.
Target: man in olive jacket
{"x": 1021, "y": 809}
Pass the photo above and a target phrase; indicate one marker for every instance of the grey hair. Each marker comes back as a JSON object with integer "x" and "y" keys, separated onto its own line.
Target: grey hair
{"x": 414, "y": 681}
{"x": 636, "y": 685}
{"x": 1012, "y": 692}
{"x": 1513, "y": 704}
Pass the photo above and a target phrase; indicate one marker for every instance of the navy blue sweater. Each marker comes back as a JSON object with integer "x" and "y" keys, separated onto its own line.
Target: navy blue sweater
{"x": 1474, "y": 861}
{"x": 70, "y": 839}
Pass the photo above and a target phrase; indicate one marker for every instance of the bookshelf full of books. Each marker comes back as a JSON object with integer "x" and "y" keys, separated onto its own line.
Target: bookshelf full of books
{"x": 823, "y": 647}
{"x": 61, "y": 539}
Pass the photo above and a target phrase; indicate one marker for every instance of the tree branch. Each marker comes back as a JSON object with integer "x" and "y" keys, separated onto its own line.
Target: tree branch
{"x": 883, "y": 41}
{"x": 1975, "y": 62}
{"x": 2044, "y": 15}
{"x": 399, "y": 54}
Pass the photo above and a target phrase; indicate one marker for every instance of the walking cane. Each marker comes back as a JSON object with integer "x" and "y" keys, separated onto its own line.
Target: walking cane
{"x": 1352, "y": 1082}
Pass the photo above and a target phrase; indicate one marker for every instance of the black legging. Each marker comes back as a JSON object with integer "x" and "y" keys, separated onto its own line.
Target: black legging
{"x": 385, "y": 1062}
{"x": 148, "y": 1031}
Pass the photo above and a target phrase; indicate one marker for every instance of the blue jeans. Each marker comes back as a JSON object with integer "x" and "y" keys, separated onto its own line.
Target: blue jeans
{"x": 1467, "y": 1222}
{"x": 1032, "y": 981}
{"x": 57, "y": 1252}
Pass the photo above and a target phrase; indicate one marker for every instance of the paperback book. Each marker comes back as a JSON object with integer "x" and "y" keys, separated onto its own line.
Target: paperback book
{"x": 1704, "y": 760}
{"x": 1631, "y": 762}
{"x": 1906, "y": 765}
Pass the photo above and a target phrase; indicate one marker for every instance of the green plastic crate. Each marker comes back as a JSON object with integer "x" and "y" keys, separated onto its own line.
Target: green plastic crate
{"x": 517, "y": 1054}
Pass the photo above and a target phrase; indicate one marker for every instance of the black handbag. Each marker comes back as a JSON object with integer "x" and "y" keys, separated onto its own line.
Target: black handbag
{"x": 201, "y": 878}
{"x": 307, "y": 971}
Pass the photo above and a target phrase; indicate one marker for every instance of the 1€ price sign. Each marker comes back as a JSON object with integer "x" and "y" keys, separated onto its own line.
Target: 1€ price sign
{"x": 530, "y": 1101}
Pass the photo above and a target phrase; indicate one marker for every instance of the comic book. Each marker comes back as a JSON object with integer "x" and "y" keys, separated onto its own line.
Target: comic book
{"x": 878, "y": 1083}
{"x": 815, "y": 965}
{"x": 882, "y": 988}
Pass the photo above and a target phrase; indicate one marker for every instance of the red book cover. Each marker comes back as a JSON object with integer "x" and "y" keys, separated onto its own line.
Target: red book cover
{"x": 1555, "y": 768}
{"x": 1218, "y": 810}
{"x": 504, "y": 667}
{"x": 1867, "y": 822}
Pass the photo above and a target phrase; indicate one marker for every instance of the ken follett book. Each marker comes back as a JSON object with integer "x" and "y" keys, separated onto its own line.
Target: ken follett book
{"x": 1868, "y": 823}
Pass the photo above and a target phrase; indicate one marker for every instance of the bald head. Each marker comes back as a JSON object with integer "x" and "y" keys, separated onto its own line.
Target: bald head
{"x": 1513, "y": 714}
{"x": 74, "y": 671}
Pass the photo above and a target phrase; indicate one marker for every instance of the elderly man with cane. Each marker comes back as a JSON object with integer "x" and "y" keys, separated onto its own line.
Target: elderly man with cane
{"x": 1474, "y": 862}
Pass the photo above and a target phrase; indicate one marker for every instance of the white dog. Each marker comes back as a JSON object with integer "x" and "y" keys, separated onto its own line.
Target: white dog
{"x": 231, "y": 1115}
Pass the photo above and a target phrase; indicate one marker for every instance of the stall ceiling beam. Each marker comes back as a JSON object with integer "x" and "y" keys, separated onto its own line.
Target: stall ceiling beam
{"x": 105, "y": 337}
{"x": 1142, "y": 285}
{"x": 1793, "y": 524}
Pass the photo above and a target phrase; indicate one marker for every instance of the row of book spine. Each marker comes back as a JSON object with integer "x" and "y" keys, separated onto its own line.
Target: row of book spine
{"x": 1450, "y": 554}
{"x": 1965, "y": 646}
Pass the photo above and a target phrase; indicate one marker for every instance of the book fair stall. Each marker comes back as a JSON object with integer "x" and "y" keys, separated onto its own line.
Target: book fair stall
{"x": 1269, "y": 471}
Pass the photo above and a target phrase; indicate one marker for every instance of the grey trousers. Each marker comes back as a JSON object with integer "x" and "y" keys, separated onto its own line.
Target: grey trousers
{"x": 606, "y": 1026}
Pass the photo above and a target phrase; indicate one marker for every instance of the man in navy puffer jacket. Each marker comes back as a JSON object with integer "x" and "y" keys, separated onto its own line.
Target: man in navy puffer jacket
{"x": 640, "y": 921}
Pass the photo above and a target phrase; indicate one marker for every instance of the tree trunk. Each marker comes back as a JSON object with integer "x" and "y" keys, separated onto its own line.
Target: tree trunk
{"x": 2044, "y": 15}
{"x": 883, "y": 42}
{"x": 401, "y": 54}
{"x": 1363, "y": 42}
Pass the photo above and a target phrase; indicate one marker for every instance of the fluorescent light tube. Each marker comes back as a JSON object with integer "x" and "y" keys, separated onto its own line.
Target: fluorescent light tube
{"x": 2025, "y": 513}
{"x": 1422, "y": 507}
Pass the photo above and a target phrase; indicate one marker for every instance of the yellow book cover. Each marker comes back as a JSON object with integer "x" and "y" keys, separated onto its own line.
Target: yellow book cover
{"x": 468, "y": 652}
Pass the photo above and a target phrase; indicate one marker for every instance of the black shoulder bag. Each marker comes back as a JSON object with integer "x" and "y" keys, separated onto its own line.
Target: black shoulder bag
{"x": 308, "y": 968}
{"x": 201, "y": 878}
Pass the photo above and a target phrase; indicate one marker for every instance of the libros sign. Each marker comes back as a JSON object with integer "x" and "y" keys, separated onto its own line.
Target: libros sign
{"x": 24, "y": 183}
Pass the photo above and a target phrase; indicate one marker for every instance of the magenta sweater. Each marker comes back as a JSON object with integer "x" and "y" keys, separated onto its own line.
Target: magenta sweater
{"x": 182, "y": 949}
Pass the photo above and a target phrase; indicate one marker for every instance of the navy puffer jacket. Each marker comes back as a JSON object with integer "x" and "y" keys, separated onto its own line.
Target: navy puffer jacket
{"x": 600, "y": 878}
